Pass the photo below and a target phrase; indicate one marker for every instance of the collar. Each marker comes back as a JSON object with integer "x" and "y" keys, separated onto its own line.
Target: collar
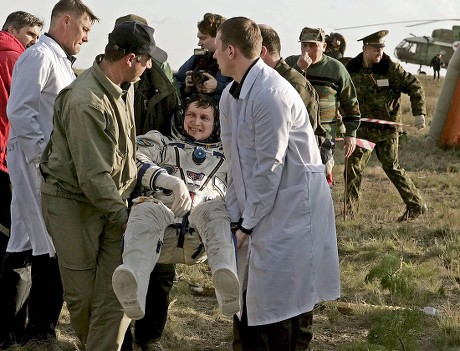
{"x": 71, "y": 58}
{"x": 113, "y": 89}
{"x": 235, "y": 89}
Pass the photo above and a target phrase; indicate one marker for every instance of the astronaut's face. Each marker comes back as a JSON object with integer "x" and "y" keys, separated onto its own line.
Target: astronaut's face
{"x": 199, "y": 121}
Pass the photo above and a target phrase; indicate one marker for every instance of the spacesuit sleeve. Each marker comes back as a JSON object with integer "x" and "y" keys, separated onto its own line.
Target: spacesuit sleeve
{"x": 148, "y": 158}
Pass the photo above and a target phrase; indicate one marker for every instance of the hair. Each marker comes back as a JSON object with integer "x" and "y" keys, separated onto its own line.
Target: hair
{"x": 242, "y": 33}
{"x": 202, "y": 101}
{"x": 75, "y": 6}
{"x": 270, "y": 39}
{"x": 210, "y": 23}
{"x": 111, "y": 54}
{"x": 20, "y": 19}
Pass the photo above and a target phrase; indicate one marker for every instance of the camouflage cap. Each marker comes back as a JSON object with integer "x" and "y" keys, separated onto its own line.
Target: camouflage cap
{"x": 312, "y": 35}
{"x": 375, "y": 39}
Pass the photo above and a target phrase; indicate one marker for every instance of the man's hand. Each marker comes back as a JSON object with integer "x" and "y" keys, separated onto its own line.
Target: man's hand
{"x": 240, "y": 238}
{"x": 208, "y": 86}
{"x": 182, "y": 201}
{"x": 349, "y": 145}
{"x": 419, "y": 122}
{"x": 304, "y": 61}
{"x": 188, "y": 81}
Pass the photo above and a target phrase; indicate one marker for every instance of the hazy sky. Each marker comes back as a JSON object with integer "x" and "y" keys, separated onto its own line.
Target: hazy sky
{"x": 175, "y": 20}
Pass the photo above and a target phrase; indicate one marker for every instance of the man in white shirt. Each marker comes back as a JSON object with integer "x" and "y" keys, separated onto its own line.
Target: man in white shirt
{"x": 38, "y": 76}
{"x": 277, "y": 195}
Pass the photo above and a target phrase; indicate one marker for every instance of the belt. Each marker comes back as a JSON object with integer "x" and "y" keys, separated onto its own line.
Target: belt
{"x": 56, "y": 190}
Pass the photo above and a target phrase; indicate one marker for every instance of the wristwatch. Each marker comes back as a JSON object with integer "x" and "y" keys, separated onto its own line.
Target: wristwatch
{"x": 243, "y": 229}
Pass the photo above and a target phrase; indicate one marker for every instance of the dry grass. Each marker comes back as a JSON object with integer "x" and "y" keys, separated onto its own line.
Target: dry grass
{"x": 428, "y": 247}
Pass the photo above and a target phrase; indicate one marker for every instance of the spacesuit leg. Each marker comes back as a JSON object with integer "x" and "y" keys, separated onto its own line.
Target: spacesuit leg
{"x": 210, "y": 219}
{"x": 142, "y": 245}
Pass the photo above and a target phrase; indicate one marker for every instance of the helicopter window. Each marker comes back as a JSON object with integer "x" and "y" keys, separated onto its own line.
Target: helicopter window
{"x": 412, "y": 48}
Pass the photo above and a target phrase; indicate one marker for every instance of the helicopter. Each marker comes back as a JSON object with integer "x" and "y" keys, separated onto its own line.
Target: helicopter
{"x": 420, "y": 50}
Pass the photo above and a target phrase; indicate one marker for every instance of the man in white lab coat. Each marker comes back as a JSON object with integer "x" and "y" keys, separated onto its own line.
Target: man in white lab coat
{"x": 39, "y": 74}
{"x": 277, "y": 195}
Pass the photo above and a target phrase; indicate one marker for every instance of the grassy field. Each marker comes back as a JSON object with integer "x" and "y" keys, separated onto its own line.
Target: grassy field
{"x": 389, "y": 270}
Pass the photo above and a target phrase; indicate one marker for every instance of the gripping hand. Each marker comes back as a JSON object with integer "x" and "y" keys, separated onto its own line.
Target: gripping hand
{"x": 182, "y": 201}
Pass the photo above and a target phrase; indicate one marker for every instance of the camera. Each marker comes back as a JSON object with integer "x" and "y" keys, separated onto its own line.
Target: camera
{"x": 198, "y": 77}
{"x": 200, "y": 52}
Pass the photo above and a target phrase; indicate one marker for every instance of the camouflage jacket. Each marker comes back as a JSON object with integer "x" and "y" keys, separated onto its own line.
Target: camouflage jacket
{"x": 337, "y": 94}
{"x": 379, "y": 89}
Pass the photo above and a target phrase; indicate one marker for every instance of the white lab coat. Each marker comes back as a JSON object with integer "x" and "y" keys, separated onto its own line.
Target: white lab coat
{"x": 38, "y": 76}
{"x": 277, "y": 184}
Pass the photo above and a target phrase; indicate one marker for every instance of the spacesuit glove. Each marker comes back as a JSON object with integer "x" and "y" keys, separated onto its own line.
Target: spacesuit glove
{"x": 182, "y": 201}
{"x": 419, "y": 122}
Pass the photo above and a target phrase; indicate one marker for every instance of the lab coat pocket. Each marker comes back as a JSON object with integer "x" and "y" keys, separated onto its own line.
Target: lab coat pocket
{"x": 291, "y": 213}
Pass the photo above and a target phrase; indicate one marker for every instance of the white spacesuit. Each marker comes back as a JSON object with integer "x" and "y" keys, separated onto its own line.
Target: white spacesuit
{"x": 162, "y": 229}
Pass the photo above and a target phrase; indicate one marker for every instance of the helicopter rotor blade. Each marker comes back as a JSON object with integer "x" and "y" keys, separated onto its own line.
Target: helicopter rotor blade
{"x": 398, "y": 22}
{"x": 432, "y": 21}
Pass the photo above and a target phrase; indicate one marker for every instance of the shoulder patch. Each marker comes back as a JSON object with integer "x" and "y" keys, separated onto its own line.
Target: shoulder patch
{"x": 145, "y": 142}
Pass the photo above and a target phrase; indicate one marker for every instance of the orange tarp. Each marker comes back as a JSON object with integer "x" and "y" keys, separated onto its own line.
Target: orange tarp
{"x": 451, "y": 131}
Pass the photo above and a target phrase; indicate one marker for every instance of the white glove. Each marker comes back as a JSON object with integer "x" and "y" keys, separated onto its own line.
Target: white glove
{"x": 419, "y": 122}
{"x": 182, "y": 201}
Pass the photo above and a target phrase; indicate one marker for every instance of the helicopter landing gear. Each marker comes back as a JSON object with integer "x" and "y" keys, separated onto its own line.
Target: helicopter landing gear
{"x": 419, "y": 71}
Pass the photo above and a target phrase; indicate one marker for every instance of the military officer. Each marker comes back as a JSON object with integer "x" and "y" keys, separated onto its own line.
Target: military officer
{"x": 379, "y": 83}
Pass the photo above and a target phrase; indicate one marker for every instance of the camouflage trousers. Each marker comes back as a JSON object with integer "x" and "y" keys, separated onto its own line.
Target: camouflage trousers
{"x": 386, "y": 149}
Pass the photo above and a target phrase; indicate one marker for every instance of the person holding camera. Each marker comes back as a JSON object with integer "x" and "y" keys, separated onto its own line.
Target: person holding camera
{"x": 201, "y": 73}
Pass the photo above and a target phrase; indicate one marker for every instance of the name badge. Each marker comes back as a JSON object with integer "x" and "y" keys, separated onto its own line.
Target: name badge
{"x": 383, "y": 83}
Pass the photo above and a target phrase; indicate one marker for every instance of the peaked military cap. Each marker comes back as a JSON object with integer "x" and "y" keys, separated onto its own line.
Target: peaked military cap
{"x": 375, "y": 39}
{"x": 312, "y": 35}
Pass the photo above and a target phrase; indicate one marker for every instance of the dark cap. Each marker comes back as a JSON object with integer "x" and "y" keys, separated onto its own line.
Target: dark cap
{"x": 312, "y": 35}
{"x": 131, "y": 17}
{"x": 375, "y": 39}
{"x": 135, "y": 37}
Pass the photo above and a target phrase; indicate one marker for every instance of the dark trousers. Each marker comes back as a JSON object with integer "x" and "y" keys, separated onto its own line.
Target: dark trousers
{"x": 5, "y": 211}
{"x": 45, "y": 299}
{"x": 150, "y": 328}
{"x": 305, "y": 331}
{"x": 15, "y": 282}
{"x": 3, "y": 245}
{"x": 280, "y": 336}
{"x": 37, "y": 279}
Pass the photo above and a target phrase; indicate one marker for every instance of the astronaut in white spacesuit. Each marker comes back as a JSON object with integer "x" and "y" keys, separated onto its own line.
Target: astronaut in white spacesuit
{"x": 183, "y": 219}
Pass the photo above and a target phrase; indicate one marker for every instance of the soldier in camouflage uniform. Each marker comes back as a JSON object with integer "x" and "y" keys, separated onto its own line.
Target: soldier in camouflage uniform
{"x": 337, "y": 95}
{"x": 379, "y": 83}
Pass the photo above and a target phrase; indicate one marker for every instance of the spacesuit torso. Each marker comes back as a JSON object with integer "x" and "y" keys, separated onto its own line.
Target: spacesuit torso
{"x": 202, "y": 167}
